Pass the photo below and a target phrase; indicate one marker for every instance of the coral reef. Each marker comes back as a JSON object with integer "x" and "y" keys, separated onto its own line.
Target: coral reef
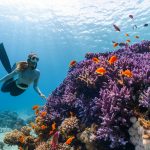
{"x": 69, "y": 126}
{"x": 107, "y": 100}
{"x": 10, "y": 120}
{"x": 21, "y": 138}
{"x": 107, "y": 94}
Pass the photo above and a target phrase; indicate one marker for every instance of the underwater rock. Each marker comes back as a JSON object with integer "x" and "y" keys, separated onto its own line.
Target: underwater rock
{"x": 11, "y": 120}
{"x": 2, "y": 145}
{"x": 20, "y": 138}
{"x": 109, "y": 99}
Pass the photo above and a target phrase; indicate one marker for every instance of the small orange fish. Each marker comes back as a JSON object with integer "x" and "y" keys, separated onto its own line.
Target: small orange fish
{"x": 35, "y": 107}
{"x": 115, "y": 44}
{"x": 72, "y": 63}
{"x": 54, "y": 126}
{"x": 96, "y": 60}
{"x": 43, "y": 127}
{"x": 126, "y": 34}
{"x": 32, "y": 125}
{"x": 100, "y": 71}
{"x": 37, "y": 111}
{"x": 70, "y": 140}
{"x": 128, "y": 41}
{"x": 21, "y": 139}
{"x": 113, "y": 59}
{"x": 137, "y": 37}
{"x": 43, "y": 114}
{"x": 127, "y": 73}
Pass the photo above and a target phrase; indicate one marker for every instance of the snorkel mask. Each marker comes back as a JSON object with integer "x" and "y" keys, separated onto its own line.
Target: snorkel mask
{"x": 32, "y": 60}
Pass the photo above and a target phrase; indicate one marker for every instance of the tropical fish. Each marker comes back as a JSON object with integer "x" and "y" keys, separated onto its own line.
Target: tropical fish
{"x": 128, "y": 41}
{"x": 116, "y": 27}
{"x": 54, "y": 126}
{"x": 137, "y": 37}
{"x": 146, "y": 25}
{"x": 43, "y": 114}
{"x": 43, "y": 127}
{"x": 121, "y": 44}
{"x": 72, "y": 63}
{"x": 21, "y": 139}
{"x": 95, "y": 59}
{"x": 127, "y": 73}
{"x": 35, "y": 107}
{"x": 115, "y": 44}
{"x": 134, "y": 26}
{"x": 37, "y": 111}
{"x": 126, "y": 34}
{"x": 32, "y": 125}
{"x": 100, "y": 71}
{"x": 70, "y": 140}
{"x": 131, "y": 16}
{"x": 112, "y": 60}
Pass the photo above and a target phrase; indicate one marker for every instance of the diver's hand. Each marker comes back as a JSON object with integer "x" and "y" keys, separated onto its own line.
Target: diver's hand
{"x": 43, "y": 96}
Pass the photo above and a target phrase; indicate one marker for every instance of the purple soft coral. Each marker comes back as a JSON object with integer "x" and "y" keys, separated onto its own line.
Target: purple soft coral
{"x": 106, "y": 100}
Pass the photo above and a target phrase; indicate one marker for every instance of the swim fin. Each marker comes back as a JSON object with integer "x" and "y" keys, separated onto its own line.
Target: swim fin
{"x": 4, "y": 58}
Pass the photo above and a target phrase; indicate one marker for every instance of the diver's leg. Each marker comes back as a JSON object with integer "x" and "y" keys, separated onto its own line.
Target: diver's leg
{"x": 15, "y": 91}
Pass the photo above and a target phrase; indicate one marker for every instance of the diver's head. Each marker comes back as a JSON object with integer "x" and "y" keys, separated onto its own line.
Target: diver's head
{"x": 32, "y": 60}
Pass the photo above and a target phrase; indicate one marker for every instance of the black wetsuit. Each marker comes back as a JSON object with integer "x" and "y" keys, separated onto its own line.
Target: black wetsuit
{"x": 11, "y": 87}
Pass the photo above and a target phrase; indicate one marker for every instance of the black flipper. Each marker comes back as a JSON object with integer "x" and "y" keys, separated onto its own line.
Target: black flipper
{"x": 4, "y": 58}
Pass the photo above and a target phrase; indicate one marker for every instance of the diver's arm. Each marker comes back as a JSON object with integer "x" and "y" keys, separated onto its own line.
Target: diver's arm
{"x": 9, "y": 76}
{"x": 36, "y": 88}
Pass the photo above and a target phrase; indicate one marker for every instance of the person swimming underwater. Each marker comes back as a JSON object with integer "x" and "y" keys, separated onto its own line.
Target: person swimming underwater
{"x": 26, "y": 73}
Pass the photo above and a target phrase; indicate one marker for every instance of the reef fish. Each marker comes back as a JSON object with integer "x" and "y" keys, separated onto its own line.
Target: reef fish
{"x": 131, "y": 16}
{"x": 72, "y": 63}
{"x": 127, "y": 73}
{"x": 113, "y": 59}
{"x": 69, "y": 141}
{"x": 146, "y": 25}
{"x": 126, "y": 34}
{"x": 100, "y": 71}
{"x": 95, "y": 59}
{"x": 21, "y": 139}
{"x": 137, "y": 37}
{"x": 115, "y": 44}
{"x": 116, "y": 27}
{"x": 43, "y": 127}
{"x": 43, "y": 114}
{"x": 128, "y": 41}
{"x": 35, "y": 107}
{"x": 121, "y": 44}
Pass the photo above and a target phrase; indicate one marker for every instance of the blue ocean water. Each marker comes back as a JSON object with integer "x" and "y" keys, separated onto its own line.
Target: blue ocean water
{"x": 60, "y": 31}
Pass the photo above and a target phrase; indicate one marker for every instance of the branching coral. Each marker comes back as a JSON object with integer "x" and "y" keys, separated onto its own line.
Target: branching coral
{"x": 107, "y": 100}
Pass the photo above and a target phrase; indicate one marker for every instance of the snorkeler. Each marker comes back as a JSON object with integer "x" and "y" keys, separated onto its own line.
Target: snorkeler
{"x": 25, "y": 71}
